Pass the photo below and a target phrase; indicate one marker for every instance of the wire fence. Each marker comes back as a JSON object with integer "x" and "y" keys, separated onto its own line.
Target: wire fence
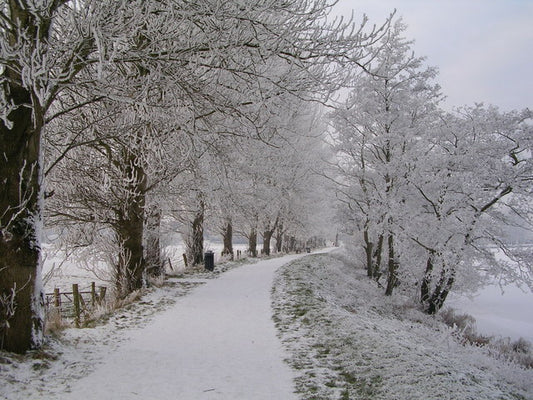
{"x": 73, "y": 304}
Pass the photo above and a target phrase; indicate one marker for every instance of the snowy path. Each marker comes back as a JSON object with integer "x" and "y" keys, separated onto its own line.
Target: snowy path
{"x": 219, "y": 342}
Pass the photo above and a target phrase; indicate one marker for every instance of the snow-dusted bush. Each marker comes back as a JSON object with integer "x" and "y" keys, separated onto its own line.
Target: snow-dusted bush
{"x": 519, "y": 351}
{"x": 465, "y": 327}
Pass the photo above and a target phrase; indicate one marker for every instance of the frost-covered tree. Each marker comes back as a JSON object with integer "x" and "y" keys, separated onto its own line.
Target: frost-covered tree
{"x": 126, "y": 155}
{"x": 43, "y": 45}
{"x": 269, "y": 184}
{"x": 46, "y": 45}
{"x": 476, "y": 181}
{"x": 430, "y": 192}
{"x": 377, "y": 135}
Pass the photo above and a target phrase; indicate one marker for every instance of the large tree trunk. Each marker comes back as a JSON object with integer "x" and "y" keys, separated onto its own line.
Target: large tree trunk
{"x": 195, "y": 239}
{"x": 152, "y": 234}
{"x": 21, "y": 294}
{"x": 433, "y": 296}
{"x": 279, "y": 238}
{"x": 129, "y": 231}
{"x": 252, "y": 242}
{"x": 440, "y": 294}
{"x": 21, "y": 297}
{"x": 267, "y": 236}
{"x": 227, "y": 238}
{"x": 392, "y": 278}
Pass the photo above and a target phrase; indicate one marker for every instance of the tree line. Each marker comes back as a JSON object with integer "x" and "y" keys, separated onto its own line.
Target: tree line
{"x": 429, "y": 197}
{"x": 117, "y": 117}
{"x": 116, "y": 114}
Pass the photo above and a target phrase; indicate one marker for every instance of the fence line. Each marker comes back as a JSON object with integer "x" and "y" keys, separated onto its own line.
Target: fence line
{"x": 73, "y": 304}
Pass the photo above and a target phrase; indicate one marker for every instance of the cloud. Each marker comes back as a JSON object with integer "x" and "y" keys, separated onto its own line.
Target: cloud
{"x": 483, "y": 49}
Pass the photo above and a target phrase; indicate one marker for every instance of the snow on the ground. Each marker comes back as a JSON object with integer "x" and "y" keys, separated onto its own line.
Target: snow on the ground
{"x": 203, "y": 338}
{"x": 218, "y": 342}
{"x": 348, "y": 341}
{"x": 47, "y": 373}
{"x": 61, "y": 270}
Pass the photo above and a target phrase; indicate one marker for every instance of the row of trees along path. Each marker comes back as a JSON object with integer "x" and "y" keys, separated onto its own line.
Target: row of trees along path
{"x": 142, "y": 89}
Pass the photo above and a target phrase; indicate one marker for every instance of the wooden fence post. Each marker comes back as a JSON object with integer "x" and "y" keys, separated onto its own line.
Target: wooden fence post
{"x": 57, "y": 299}
{"x": 185, "y": 259}
{"x": 76, "y": 298}
{"x": 57, "y": 304}
{"x": 93, "y": 294}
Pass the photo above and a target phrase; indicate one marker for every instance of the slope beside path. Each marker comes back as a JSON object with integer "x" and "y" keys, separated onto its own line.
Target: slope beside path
{"x": 219, "y": 342}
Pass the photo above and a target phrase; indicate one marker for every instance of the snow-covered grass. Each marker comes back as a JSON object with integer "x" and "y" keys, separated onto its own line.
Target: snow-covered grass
{"x": 343, "y": 338}
{"x": 70, "y": 354}
{"x": 348, "y": 341}
{"x": 62, "y": 270}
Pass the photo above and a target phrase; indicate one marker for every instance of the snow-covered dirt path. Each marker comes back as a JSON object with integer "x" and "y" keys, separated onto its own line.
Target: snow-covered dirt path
{"x": 219, "y": 342}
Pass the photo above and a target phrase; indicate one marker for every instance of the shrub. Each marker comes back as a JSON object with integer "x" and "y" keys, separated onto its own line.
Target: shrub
{"x": 519, "y": 351}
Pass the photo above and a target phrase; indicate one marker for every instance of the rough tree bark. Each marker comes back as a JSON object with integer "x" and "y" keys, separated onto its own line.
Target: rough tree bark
{"x": 129, "y": 230}
{"x": 227, "y": 238}
{"x": 20, "y": 215}
{"x": 152, "y": 233}
{"x": 21, "y": 297}
{"x": 252, "y": 242}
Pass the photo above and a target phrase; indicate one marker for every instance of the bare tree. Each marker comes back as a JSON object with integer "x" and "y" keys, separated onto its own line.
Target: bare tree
{"x": 430, "y": 192}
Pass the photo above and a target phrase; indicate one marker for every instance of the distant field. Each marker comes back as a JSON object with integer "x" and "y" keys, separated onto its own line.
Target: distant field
{"x": 499, "y": 311}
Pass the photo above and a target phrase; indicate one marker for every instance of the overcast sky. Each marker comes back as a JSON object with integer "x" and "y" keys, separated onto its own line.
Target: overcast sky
{"x": 483, "y": 48}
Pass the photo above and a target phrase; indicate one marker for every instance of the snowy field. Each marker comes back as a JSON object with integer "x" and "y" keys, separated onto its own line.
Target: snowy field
{"x": 203, "y": 338}
{"x": 499, "y": 311}
{"x": 61, "y": 272}
{"x": 508, "y": 313}
{"x": 348, "y": 341}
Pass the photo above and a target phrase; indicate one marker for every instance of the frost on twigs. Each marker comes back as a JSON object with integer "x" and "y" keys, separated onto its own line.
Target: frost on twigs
{"x": 519, "y": 351}
{"x": 7, "y": 311}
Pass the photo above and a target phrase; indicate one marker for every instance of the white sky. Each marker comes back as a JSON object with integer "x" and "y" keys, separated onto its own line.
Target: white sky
{"x": 483, "y": 48}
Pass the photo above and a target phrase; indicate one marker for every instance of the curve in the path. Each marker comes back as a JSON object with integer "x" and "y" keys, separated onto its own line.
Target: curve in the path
{"x": 219, "y": 342}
